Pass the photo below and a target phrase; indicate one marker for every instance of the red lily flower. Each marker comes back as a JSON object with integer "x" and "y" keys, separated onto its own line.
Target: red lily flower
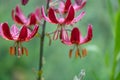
{"x": 77, "y": 39}
{"x": 19, "y": 17}
{"x": 17, "y": 35}
{"x": 69, "y": 19}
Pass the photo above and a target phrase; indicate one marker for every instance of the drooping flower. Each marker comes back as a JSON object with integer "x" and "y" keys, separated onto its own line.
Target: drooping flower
{"x": 24, "y": 2}
{"x": 32, "y": 19}
{"x": 17, "y": 35}
{"x": 63, "y": 20}
{"x": 69, "y": 19}
{"x": 77, "y": 39}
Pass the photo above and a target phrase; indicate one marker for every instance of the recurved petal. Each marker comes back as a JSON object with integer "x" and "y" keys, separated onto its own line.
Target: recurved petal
{"x": 70, "y": 15}
{"x": 75, "y": 36}
{"x": 18, "y": 10}
{"x": 13, "y": 14}
{"x": 18, "y": 19}
{"x": 88, "y": 36}
{"x": 23, "y": 34}
{"x": 32, "y": 34}
{"x": 14, "y": 32}
{"x": 67, "y": 5}
{"x": 44, "y": 15}
{"x": 78, "y": 18}
{"x": 19, "y": 13}
{"x": 52, "y": 16}
{"x": 32, "y": 19}
{"x": 5, "y": 31}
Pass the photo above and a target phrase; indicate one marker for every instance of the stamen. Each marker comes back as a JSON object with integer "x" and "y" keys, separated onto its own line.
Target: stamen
{"x": 84, "y": 52}
{"x": 22, "y": 50}
{"x": 26, "y": 51}
{"x": 77, "y": 53}
{"x": 12, "y": 50}
{"x": 70, "y": 53}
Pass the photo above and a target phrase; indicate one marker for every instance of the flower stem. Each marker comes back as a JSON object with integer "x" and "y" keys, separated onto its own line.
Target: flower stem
{"x": 42, "y": 46}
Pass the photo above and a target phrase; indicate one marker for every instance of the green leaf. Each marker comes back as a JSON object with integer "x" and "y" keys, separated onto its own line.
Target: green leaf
{"x": 110, "y": 10}
{"x": 119, "y": 2}
{"x": 118, "y": 77}
{"x": 117, "y": 33}
{"x": 117, "y": 44}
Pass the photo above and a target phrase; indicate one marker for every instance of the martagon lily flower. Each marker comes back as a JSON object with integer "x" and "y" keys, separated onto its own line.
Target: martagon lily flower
{"x": 69, "y": 19}
{"x": 76, "y": 39}
{"x": 17, "y": 35}
{"x": 32, "y": 19}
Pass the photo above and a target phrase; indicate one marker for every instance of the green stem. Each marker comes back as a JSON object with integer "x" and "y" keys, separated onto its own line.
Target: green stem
{"x": 42, "y": 46}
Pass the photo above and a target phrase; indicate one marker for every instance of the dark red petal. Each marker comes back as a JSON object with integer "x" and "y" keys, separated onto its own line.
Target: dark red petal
{"x": 24, "y": 2}
{"x": 18, "y": 20}
{"x": 70, "y": 15}
{"x": 67, "y": 5}
{"x": 33, "y": 33}
{"x": 75, "y": 36}
{"x": 32, "y": 20}
{"x": 18, "y": 10}
{"x": 23, "y": 34}
{"x": 6, "y": 31}
{"x": 15, "y": 16}
{"x": 19, "y": 16}
{"x": 52, "y": 16}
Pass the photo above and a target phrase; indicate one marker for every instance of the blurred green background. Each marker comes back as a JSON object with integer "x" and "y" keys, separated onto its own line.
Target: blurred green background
{"x": 101, "y": 63}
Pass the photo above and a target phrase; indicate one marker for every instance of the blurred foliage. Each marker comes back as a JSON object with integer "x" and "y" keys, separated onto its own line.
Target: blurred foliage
{"x": 98, "y": 64}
